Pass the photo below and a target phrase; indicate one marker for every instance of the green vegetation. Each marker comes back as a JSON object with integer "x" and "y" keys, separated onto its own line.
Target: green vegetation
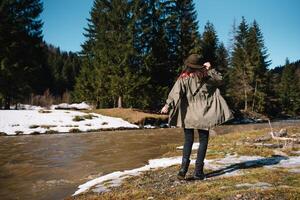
{"x": 74, "y": 130}
{"x": 45, "y": 111}
{"x": 78, "y": 118}
{"x": 133, "y": 53}
{"x": 34, "y": 126}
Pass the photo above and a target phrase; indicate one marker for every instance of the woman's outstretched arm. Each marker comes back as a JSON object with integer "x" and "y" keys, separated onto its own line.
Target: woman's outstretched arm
{"x": 174, "y": 96}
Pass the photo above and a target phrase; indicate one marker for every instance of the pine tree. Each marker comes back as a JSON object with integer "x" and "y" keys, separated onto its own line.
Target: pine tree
{"x": 222, "y": 66}
{"x": 188, "y": 28}
{"x": 109, "y": 53}
{"x": 146, "y": 45}
{"x": 63, "y": 68}
{"x": 222, "y": 59}
{"x": 210, "y": 44}
{"x": 257, "y": 55}
{"x": 153, "y": 51}
{"x": 20, "y": 48}
{"x": 239, "y": 83}
{"x": 289, "y": 90}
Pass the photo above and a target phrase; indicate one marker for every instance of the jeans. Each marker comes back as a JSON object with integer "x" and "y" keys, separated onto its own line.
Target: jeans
{"x": 188, "y": 143}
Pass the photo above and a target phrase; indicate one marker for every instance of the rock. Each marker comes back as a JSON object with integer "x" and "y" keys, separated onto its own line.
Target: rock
{"x": 150, "y": 198}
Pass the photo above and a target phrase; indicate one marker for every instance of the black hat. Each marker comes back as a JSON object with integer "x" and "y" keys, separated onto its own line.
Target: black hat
{"x": 194, "y": 61}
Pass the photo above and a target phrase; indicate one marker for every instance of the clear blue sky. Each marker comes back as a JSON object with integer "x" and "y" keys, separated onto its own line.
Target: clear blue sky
{"x": 279, "y": 20}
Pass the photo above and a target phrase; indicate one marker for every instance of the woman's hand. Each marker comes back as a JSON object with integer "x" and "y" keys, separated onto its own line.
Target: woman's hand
{"x": 207, "y": 65}
{"x": 165, "y": 109}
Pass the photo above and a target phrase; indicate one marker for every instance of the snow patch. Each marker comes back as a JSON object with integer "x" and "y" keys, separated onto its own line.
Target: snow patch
{"x": 74, "y": 106}
{"x": 149, "y": 126}
{"x": 194, "y": 147}
{"x": 254, "y": 185}
{"x": 228, "y": 166}
{"x": 13, "y": 122}
{"x": 114, "y": 179}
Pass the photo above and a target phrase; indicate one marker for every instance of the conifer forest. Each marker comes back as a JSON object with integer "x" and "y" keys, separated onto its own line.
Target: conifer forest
{"x": 133, "y": 53}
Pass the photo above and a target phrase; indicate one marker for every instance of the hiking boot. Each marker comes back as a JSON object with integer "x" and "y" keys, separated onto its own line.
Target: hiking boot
{"x": 183, "y": 169}
{"x": 198, "y": 174}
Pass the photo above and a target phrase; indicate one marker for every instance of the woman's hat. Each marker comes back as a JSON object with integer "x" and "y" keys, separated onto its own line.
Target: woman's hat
{"x": 194, "y": 61}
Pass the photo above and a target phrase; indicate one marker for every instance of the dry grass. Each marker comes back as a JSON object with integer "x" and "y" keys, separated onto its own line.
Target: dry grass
{"x": 163, "y": 184}
{"x": 132, "y": 115}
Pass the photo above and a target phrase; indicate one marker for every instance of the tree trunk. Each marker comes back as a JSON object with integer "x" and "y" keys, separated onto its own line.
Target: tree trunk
{"x": 245, "y": 90}
{"x": 120, "y": 102}
{"x": 246, "y": 100}
{"x": 97, "y": 104}
{"x": 254, "y": 95}
{"x": 7, "y": 103}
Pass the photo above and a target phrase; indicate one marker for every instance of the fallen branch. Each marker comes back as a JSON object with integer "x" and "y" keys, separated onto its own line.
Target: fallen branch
{"x": 281, "y": 138}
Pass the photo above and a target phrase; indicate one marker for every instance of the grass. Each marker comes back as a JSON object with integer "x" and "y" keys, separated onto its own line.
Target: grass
{"x": 78, "y": 118}
{"x": 45, "y": 111}
{"x": 163, "y": 184}
{"x": 132, "y": 115}
{"x": 48, "y": 126}
{"x": 284, "y": 185}
{"x": 33, "y": 126}
{"x": 74, "y": 130}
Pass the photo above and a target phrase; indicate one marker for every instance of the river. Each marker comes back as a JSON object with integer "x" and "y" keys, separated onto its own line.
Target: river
{"x": 51, "y": 167}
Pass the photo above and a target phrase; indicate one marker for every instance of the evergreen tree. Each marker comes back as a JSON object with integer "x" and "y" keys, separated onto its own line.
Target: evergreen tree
{"x": 222, "y": 66}
{"x": 239, "y": 82}
{"x": 63, "y": 69}
{"x": 188, "y": 34}
{"x": 20, "y": 48}
{"x": 210, "y": 44}
{"x": 109, "y": 54}
{"x": 289, "y": 91}
{"x": 222, "y": 59}
{"x": 156, "y": 52}
{"x": 257, "y": 55}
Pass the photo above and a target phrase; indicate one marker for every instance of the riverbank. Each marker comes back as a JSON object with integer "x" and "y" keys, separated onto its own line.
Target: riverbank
{"x": 134, "y": 116}
{"x": 239, "y": 166}
{"x": 75, "y": 118}
{"x": 52, "y": 166}
{"x": 42, "y": 121}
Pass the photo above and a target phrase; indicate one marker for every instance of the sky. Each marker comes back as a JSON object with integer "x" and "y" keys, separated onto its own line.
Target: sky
{"x": 65, "y": 20}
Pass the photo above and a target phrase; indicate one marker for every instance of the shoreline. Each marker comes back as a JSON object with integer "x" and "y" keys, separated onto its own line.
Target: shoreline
{"x": 141, "y": 128}
{"x": 234, "y": 151}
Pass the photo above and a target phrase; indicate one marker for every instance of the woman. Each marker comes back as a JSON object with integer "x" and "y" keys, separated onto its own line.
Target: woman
{"x": 195, "y": 102}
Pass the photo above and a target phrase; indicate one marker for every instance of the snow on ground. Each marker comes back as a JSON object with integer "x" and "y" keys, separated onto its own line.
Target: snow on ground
{"x": 62, "y": 106}
{"x": 230, "y": 165}
{"x": 116, "y": 177}
{"x": 149, "y": 126}
{"x": 74, "y": 106}
{"x": 194, "y": 147}
{"x": 254, "y": 185}
{"x": 13, "y": 122}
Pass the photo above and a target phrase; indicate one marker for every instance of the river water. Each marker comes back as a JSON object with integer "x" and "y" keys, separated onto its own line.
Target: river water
{"x": 52, "y": 166}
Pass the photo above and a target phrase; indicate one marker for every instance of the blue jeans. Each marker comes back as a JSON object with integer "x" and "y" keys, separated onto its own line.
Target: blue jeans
{"x": 188, "y": 143}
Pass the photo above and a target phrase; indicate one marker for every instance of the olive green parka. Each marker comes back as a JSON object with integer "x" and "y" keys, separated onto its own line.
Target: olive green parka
{"x": 197, "y": 103}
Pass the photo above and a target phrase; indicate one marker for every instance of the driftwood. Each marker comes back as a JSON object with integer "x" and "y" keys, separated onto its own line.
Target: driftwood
{"x": 279, "y": 135}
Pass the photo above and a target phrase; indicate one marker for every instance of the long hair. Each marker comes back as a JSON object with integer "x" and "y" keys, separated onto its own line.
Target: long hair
{"x": 189, "y": 71}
